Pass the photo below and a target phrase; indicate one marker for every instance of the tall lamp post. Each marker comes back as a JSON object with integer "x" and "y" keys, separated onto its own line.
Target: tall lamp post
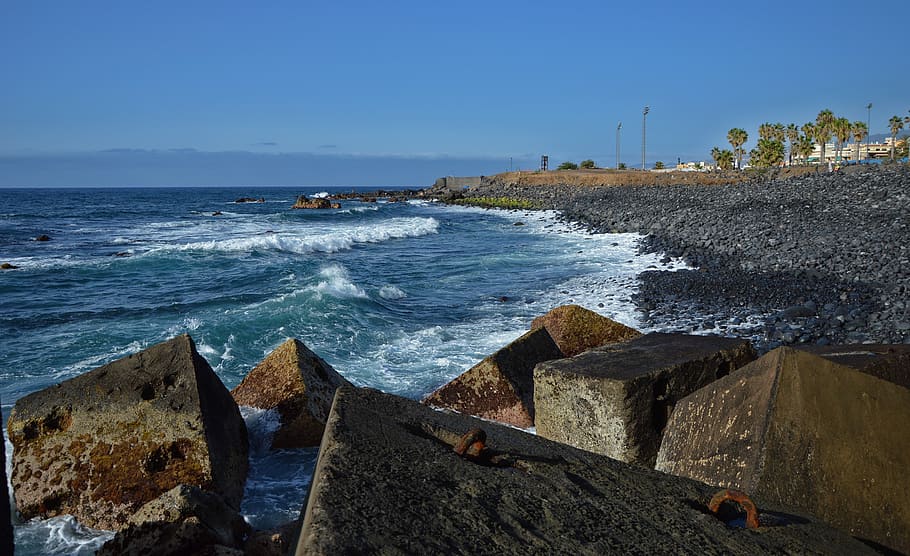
{"x": 868, "y": 126}
{"x": 644, "y": 118}
{"x": 618, "y": 139}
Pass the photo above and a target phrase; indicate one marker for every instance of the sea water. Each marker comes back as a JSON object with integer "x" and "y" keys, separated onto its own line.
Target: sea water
{"x": 401, "y": 297}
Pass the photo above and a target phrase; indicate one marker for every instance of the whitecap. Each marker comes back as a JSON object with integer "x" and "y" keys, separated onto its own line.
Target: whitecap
{"x": 337, "y": 283}
{"x": 391, "y": 292}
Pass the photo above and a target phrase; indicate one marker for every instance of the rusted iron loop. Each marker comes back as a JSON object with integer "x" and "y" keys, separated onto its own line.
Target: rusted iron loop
{"x": 471, "y": 443}
{"x": 740, "y": 498}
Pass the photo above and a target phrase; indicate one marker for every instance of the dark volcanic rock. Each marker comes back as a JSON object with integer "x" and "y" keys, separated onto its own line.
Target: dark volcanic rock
{"x": 388, "y": 481}
{"x": 838, "y": 240}
{"x": 300, "y": 385}
{"x": 43, "y": 237}
{"x": 6, "y": 527}
{"x": 304, "y": 202}
{"x": 501, "y": 387}
{"x": 797, "y": 429}
{"x": 102, "y": 444}
{"x": 615, "y": 400}
{"x": 183, "y": 520}
{"x": 576, "y": 329}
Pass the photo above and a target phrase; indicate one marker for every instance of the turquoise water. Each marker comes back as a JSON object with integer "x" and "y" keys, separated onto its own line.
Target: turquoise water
{"x": 400, "y": 297}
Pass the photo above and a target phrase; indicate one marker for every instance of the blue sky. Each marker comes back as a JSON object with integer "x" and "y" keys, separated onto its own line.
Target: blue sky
{"x": 397, "y": 93}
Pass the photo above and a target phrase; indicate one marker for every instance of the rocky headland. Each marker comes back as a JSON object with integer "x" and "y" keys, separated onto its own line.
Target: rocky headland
{"x": 818, "y": 258}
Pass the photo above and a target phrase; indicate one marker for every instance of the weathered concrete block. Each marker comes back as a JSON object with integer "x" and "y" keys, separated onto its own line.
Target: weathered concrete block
{"x": 183, "y": 520}
{"x": 6, "y": 524}
{"x": 615, "y": 400}
{"x": 501, "y": 387}
{"x": 101, "y": 445}
{"x": 799, "y": 430}
{"x": 890, "y": 362}
{"x": 300, "y": 385}
{"x": 388, "y": 482}
{"x": 576, "y": 329}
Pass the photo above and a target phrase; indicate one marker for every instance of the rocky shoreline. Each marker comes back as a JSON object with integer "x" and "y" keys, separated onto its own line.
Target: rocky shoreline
{"x": 818, "y": 258}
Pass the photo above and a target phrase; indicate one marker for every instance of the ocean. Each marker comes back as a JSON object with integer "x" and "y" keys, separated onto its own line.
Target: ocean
{"x": 402, "y": 297}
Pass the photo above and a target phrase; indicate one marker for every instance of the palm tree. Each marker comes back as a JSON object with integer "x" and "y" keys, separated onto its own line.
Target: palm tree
{"x": 859, "y": 130}
{"x": 792, "y": 133}
{"x": 723, "y": 159}
{"x": 715, "y": 154}
{"x": 824, "y": 123}
{"x": 896, "y": 123}
{"x": 765, "y": 131}
{"x": 737, "y": 138}
{"x": 804, "y": 147}
{"x": 842, "y": 131}
{"x": 808, "y": 130}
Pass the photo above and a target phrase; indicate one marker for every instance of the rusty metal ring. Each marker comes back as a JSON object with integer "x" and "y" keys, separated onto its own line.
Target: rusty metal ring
{"x": 740, "y": 498}
{"x": 471, "y": 443}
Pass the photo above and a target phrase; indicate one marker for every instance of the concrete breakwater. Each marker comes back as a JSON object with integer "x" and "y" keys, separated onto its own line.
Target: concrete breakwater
{"x": 822, "y": 258}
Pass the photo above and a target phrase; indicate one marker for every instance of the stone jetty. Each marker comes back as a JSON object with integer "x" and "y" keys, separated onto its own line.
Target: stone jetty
{"x": 388, "y": 480}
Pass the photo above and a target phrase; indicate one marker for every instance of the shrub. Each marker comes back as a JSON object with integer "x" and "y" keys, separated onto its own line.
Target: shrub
{"x": 587, "y": 164}
{"x": 568, "y": 166}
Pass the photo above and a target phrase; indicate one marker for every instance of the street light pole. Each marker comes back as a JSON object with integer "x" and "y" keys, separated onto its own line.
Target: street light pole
{"x": 618, "y": 140}
{"x": 868, "y": 126}
{"x": 644, "y": 118}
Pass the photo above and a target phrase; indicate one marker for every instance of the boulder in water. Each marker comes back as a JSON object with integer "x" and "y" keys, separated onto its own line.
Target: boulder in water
{"x": 101, "y": 445}
{"x": 304, "y": 202}
{"x": 43, "y": 237}
{"x": 300, "y": 385}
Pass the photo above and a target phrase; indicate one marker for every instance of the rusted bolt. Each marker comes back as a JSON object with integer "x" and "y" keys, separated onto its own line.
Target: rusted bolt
{"x": 740, "y": 498}
{"x": 471, "y": 444}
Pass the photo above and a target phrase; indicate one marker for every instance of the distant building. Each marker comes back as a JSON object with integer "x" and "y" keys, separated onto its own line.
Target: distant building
{"x": 872, "y": 150}
{"x": 692, "y": 166}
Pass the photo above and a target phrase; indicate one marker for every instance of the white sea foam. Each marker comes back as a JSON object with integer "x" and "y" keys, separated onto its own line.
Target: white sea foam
{"x": 336, "y": 282}
{"x": 391, "y": 292}
{"x": 61, "y": 535}
{"x": 339, "y": 238}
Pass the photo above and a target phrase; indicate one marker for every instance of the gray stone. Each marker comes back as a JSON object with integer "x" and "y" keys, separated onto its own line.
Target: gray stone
{"x": 184, "y": 520}
{"x": 102, "y": 444}
{"x": 799, "y": 430}
{"x": 615, "y": 400}
{"x": 388, "y": 482}
{"x": 501, "y": 387}
{"x": 299, "y": 385}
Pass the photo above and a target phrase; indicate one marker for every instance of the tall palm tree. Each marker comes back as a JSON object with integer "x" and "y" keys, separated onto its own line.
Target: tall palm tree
{"x": 842, "y": 130}
{"x": 737, "y": 138}
{"x": 896, "y": 123}
{"x": 859, "y": 130}
{"x": 723, "y": 158}
{"x": 808, "y": 130}
{"x": 765, "y": 131}
{"x": 804, "y": 147}
{"x": 824, "y": 123}
{"x": 792, "y": 133}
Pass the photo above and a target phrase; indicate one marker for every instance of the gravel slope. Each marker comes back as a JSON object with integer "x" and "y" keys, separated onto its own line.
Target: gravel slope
{"x": 820, "y": 258}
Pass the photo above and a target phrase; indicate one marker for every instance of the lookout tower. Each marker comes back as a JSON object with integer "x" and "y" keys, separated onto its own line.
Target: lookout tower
{"x": 544, "y": 162}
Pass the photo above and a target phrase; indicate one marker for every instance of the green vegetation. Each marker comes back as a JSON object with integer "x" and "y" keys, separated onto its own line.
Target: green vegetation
{"x": 895, "y": 124}
{"x": 737, "y": 138}
{"x": 723, "y": 159}
{"x": 499, "y": 202}
{"x": 568, "y": 166}
{"x": 658, "y": 165}
{"x": 589, "y": 164}
{"x": 621, "y": 166}
{"x": 768, "y": 154}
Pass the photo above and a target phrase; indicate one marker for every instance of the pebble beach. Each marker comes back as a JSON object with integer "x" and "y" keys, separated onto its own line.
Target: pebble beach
{"x": 822, "y": 258}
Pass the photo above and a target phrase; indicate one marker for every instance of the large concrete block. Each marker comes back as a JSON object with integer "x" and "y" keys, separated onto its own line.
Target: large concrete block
{"x": 299, "y": 385}
{"x": 800, "y": 430}
{"x": 388, "y": 482}
{"x": 615, "y": 400}
{"x": 501, "y": 387}
{"x": 576, "y": 329}
{"x": 102, "y": 444}
{"x": 890, "y": 362}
